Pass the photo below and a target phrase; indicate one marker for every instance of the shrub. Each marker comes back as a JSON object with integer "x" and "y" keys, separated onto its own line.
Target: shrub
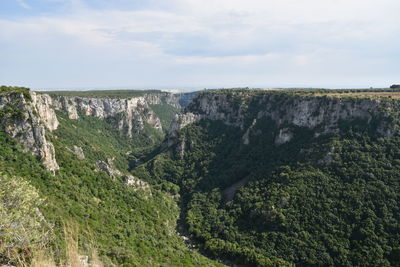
{"x": 22, "y": 225}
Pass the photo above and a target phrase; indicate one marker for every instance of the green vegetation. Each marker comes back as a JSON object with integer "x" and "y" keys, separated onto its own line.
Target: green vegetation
{"x": 166, "y": 113}
{"x": 331, "y": 200}
{"x": 9, "y": 90}
{"x": 22, "y": 226}
{"x": 11, "y": 112}
{"x": 101, "y": 140}
{"x": 326, "y": 201}
{"x": 127, "y": 227}
{"x": 12, "y": 109}
{"x": 102, "y": 93}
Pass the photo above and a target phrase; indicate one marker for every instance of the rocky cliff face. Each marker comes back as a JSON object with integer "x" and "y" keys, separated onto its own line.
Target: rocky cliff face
{"x": 179, "y": 122}
{"x": 107, "y": 166}
{"x": 164, "y": 97}
{"x": 131, "y": 113}
{"x": 27, "y": 117}
{"x": 27, "y": 121}
{"x": 184, "y": 99}
{"x": 320, "y": 113}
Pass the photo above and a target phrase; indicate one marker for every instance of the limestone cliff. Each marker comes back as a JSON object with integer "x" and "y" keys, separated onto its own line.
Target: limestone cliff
{"x": 163, "y": 98}
{"x": 107, "y": 166}
{"x": 26, "y": 118}
{"x": 131, "y": 113}
{"x": 322, "y": 114}
{"x": 179, "y": 122}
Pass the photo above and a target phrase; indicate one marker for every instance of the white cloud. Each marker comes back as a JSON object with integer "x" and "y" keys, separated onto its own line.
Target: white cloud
{"x": 259, "y": 40}
{"x": 234, "y": 27}
{"x": 23, "y": 4}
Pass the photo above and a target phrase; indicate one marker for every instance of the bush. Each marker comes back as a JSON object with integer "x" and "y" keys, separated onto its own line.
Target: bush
{"x": 22, "y": 225}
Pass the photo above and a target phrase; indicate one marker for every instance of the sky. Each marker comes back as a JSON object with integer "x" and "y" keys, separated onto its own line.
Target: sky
{"x": 185, "y": 44}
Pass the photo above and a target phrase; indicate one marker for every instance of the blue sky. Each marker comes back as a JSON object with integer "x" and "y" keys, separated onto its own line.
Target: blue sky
{"x": 197, "y": 44}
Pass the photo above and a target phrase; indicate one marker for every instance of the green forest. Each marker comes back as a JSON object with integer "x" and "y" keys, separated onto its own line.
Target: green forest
{"x": 117, "y": 94}
{"x": 326, "y": 200}
{"x": 114, "y": 222}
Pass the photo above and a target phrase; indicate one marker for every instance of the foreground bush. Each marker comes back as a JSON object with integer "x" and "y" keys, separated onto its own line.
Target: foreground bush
{"x": 22, "y": 225}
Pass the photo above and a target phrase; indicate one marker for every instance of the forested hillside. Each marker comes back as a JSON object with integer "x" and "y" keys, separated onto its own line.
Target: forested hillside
{"x": 84, "y": 214}
{"x": 280, "y": 178}
{"x": 252, "y": 177}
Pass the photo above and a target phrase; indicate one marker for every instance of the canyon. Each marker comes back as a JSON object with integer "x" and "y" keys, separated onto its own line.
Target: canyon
{"x": 255, "y": 177}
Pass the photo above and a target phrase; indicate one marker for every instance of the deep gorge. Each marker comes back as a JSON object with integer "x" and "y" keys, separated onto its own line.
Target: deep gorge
{"x": 257, "y": 178}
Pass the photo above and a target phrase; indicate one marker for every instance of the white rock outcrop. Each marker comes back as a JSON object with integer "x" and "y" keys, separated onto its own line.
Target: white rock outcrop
{"x": 163, "y": 98}
{"x": 179, "y": 122}
{"x": 29, "y": 127}
{"x": 131, "y": 113}
{"x": 284, "y": 136}
{"x": 42, "y": 103}
{"x": 130, "y": 180}
{"x": 321, "y": 114}
{"x": 78, "y": 151}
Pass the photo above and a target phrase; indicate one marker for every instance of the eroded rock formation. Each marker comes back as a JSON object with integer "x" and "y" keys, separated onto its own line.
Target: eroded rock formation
{"x": 27, "y": 121}
{"x": 131, "y": 113}
{"x": 320, "y": 113}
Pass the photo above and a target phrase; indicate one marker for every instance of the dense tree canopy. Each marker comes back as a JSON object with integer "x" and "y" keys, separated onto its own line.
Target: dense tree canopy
{"x": 331, "y": 200}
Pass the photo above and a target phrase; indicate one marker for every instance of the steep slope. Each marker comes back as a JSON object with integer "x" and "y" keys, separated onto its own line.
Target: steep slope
{"x": 123, "y": 130}
{"x": 275, "y": 178}
{"x": 127, "y": 222}
{"x": 26, "y": 116}
{"x": 130, "y": 114}
{"x": 280, "y": 178}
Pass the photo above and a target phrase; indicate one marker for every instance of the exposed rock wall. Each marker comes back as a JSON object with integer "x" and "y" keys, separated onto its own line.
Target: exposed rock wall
{"x": 130, "y": 180}
{"x": 184, "y": 99}
{"x": 224, "y": 107}
{"x": 27, "y": 121}
{"x": 130, "y": 113}
{"x": 321, "y": 114}
{"x": 43, "y": 105}
{"x": 179, "y": 122}
{"x": 163, "y": 98}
